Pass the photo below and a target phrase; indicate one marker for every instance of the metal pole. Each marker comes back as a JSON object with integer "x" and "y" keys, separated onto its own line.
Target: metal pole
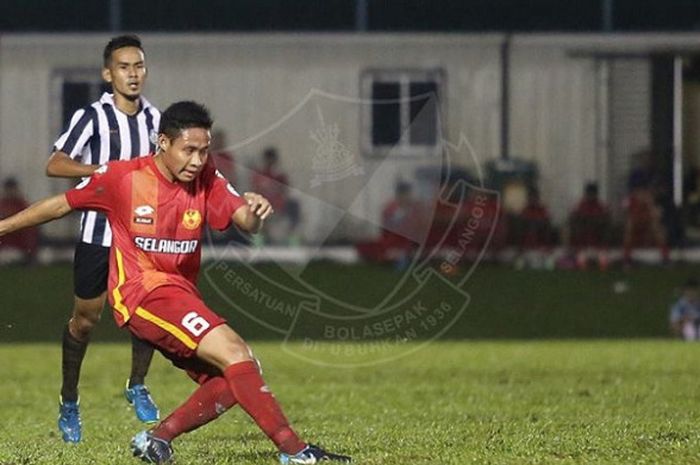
{"x": 505, "y": 97}
{"x": 677, "y": 130}
{"x": 361, "y": 13}
{"x": 602, "y": 112}
{"x": 607, "y": 14}
{"x": 115, "y": 15}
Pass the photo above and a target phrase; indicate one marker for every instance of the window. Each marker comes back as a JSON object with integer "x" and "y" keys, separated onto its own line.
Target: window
{"x": 71, "y": 90}
{"x": 403, "y": 117}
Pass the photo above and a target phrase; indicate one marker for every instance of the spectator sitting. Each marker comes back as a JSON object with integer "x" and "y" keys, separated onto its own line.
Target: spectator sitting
{"x": 224, "y": 159}
{"x": 589, "y": 228}
{"x": 685, "y": 313}
{"x": 11, "y": 202}
{"x": 271, "y": 182}
{"x": 532, "y": 234}
{"x": 533, "y": 225}
{"x": 643, "y": 223}
{"x": 402, "y": 229}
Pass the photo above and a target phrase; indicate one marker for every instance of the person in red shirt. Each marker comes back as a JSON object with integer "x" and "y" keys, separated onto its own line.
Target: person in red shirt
{"x": 589, "y": 228}
{"x": 273, "y": 183}
{"x": 402, "y": 229}
{"x": 11, "y": 202}
{"x": 534, "y": 227}
{"x": 643, "y": 225}
{"x": 224, "y": 159}
{"x": 157, "y": 207}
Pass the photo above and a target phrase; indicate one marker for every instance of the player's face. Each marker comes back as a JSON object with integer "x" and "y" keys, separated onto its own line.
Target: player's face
{"x": 186, "y": 155}
{"x": 126, "y": 72}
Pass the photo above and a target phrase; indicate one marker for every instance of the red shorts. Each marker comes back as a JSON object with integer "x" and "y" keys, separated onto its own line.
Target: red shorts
{"x": 174, "y": 322}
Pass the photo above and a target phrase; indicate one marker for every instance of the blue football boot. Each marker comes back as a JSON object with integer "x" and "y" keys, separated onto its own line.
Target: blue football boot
{"x": 310, "y": 455}
{"x": 151, "y": 449}
{"x": 69, "y": 420}
{"x": 138, "y": 396}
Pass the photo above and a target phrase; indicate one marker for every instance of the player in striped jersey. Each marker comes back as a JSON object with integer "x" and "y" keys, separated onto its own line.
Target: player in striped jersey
{"x": 119, "y": 126}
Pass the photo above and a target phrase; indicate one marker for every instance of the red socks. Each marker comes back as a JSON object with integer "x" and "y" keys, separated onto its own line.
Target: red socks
{"x": 241, "y": 383}
{"x": 254, "y": 396}
{"x": 209, "y": 401}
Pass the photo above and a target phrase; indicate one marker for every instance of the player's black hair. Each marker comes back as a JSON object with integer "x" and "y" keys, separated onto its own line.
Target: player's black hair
{"x": 127, "y": 40}
{"x": 184, "y": 115}
{"x": 691, "y": 283}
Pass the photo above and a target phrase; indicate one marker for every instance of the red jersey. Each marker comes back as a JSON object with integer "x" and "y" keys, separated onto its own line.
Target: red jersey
{"x": 535, "y": 212}
{"x": 11, "y": 205}
{"x": 157, "y": 225}
{"x": 590, "y": 208}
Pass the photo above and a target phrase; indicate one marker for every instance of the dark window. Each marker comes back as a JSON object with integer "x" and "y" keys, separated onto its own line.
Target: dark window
{"x": 386, "y": 113}
{"x": 404, "y": 116}
{"x": 76, "y": 94}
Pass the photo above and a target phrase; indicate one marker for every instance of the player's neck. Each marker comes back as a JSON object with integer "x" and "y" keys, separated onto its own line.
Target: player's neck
{"x": 125, "y": 105}
{"x": 160, "y": 164}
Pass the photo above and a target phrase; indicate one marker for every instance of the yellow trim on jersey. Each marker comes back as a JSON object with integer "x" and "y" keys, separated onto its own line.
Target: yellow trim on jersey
{"x": 116, "y": 293}
{"x": 169, "y": 327}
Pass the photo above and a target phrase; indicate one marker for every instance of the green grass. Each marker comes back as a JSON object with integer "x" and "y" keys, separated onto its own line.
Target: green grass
{"x": 35, "y": 302}
{"x": 575, "y": 401}
{"x": 518, "y": 402}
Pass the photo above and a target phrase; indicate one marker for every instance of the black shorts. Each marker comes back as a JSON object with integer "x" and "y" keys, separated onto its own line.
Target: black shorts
{"x": 90, "y": 270}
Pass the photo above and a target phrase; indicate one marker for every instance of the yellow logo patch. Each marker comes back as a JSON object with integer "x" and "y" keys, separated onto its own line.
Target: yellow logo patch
{"x": 191, "y": 219}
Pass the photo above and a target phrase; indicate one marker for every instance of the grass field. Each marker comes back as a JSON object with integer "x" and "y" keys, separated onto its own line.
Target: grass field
{"x": 575, "y": 402}
{"x": 504, "y": 303}
{"x": 491, "y": 392}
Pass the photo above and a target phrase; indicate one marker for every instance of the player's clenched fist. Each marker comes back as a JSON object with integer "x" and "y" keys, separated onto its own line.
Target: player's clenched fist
{"x": 259, "y": 205}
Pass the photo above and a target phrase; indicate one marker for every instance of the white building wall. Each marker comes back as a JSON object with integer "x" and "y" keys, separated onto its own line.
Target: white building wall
{"x": 252, "y": 82}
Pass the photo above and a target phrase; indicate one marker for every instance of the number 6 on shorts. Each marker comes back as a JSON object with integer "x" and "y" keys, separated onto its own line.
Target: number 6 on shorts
{"x": 194, "y": 323}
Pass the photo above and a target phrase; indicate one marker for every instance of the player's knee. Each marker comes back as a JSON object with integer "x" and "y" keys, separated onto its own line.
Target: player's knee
{"x": 237, "y": 351}
{"x": 84, "y": 320}
{"x": 82, "y": 326}
{"x": 222, "y": 347}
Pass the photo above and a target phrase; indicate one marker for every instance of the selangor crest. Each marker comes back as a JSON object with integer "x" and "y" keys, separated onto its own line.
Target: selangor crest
{"x": 191, "y": 219}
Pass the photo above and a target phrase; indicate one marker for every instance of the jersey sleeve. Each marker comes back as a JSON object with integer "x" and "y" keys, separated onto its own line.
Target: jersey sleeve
{"x": 222, "y": 199}
{"x": 81, "y": 129}
{"x": 96, "y": 192}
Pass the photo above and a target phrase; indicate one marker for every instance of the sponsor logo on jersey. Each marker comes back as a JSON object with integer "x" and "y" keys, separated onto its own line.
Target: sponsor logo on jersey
{"x": 191, "y": 219}
{"x": 144, "y": 210}
{"x": 143, "y": 214}
{"x": 153, "y": 244}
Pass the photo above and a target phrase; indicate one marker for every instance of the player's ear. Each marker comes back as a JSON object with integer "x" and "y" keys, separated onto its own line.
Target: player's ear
{"x": 163, "y": 142}
{"x": 106, "y": 74}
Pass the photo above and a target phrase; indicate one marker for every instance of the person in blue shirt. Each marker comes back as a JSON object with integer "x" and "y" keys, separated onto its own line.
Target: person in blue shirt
{"x": 685, "y": 313}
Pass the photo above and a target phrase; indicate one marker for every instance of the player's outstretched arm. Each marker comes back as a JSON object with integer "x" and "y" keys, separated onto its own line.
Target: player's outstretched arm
{"x": 250, "y": 218}
{"x": 40, "y": 212}
{"x": 60, "y": 165}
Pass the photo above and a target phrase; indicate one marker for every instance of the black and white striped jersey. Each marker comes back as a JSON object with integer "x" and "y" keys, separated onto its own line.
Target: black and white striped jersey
{"x": 100, "y": 133}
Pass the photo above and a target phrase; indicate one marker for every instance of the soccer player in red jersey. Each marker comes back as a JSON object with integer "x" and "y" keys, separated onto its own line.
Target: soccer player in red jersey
{"x": 157, "y": 207}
